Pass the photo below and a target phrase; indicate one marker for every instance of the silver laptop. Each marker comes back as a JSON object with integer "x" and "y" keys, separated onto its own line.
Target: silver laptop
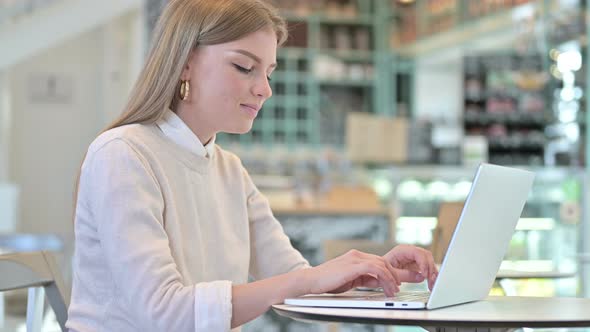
{"x": 478, "y": 245}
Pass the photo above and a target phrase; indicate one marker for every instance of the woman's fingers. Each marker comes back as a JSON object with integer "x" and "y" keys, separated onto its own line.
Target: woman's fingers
{"x": 392, "y": 270}
{"x": 386, "y": 279}
{"x": 427, "y": 268}
{"x": 431, "y": 267}
{"x": 387, "y": 276}
{"x": 406, "y": 275}
{"x": 423, "y": 259}
{"x": 408, "y": 257}
{"x": 382, "y": 261}
{"x": 412, "y": 264}
{"x": 420, "y": 258}
{"x": 366, "y": 264}
{"x": 355, "y": 269}
{"x": 369, "y": 281}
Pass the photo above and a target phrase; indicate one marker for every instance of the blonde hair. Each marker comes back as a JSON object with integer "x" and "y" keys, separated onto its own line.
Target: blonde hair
{"x": 183, "y": 26}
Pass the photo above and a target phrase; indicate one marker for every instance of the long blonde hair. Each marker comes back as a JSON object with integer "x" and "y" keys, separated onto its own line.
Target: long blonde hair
{"x": 183, "y": 26}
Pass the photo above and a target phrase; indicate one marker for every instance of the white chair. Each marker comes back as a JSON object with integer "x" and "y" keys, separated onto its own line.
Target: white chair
{"x": 38, "y": 272}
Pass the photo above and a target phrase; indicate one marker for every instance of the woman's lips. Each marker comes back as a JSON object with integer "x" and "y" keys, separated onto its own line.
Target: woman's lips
{"x": 249, "y": 109}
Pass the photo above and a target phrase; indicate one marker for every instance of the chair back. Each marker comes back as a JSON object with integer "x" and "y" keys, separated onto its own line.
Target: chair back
{"x": 36, "y": 270}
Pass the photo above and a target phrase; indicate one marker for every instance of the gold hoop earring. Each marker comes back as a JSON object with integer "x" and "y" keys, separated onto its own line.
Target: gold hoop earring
{"x": 184, "y": 90}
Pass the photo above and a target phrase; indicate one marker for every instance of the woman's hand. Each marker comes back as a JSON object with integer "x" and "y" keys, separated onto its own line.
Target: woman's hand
{"x": 353, "y": 269}
{"x": 414, "y": 264}
{"x": 404, "y": 263}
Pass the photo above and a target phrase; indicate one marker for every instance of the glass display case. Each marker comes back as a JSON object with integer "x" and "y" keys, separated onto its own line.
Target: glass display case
{"x": 548, "y": 236}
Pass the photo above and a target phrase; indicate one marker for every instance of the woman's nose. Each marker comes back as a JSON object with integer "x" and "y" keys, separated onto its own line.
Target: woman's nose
{"x": 263, "y": 88}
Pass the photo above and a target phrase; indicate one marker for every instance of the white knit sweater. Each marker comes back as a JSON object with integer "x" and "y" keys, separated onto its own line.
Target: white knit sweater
{"x": 162, "y": 232}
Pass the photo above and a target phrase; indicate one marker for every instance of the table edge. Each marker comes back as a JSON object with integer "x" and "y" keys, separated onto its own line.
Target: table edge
{"x": 418, "y": 322}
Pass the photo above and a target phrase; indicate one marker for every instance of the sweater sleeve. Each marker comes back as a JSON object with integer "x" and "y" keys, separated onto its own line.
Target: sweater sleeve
{"x": 127, "y": 205}
{"x": 271, "y": 250}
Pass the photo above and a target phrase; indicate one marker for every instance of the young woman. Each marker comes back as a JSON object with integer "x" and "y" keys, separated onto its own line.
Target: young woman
{"x": 168, "y": 225}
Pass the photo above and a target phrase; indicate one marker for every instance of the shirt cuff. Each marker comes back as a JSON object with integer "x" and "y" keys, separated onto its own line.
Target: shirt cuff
{"x": 213, "y": 307}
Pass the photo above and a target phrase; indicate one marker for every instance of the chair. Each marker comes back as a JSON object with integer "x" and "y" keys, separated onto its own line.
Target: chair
{"x": 448, "y": 216}
{"x": 38, "y": 272}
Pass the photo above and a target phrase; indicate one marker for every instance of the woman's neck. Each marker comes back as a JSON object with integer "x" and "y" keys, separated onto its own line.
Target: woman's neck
{"x": 197, "y": 126}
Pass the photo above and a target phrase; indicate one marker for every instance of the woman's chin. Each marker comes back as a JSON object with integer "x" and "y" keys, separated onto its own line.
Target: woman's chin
{"x": 240, "y": 130}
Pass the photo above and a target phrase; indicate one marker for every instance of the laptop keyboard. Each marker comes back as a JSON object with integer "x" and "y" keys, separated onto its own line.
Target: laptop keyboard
{"x": 401, "y": 296}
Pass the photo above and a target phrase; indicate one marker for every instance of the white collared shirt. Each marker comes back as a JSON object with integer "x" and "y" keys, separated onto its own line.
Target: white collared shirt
{"x": 179, "y": 132}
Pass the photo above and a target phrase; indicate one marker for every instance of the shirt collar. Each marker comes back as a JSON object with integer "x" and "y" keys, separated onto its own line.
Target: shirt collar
{"x": 174, "y": 128}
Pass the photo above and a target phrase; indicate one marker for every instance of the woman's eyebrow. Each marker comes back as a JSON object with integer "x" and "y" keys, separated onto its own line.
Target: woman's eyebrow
{"x": 252, "y": 56}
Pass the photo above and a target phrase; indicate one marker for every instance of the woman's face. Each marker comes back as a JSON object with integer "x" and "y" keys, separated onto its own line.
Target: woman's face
{"x": 228, "y": 84}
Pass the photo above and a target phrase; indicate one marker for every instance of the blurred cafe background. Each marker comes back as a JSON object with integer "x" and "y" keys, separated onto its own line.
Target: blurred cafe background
{"x": 382, "y": 110}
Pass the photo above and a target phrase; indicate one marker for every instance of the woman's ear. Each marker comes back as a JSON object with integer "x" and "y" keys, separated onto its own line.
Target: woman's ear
{"x": 186, "y": 71}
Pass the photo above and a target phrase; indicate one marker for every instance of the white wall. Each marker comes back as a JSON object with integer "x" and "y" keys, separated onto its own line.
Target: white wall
{"x": 49, "y": 138}
{"x": 39, "y": 29}
{"x": 4, "y": 127}
{"x": 122, "y": 58}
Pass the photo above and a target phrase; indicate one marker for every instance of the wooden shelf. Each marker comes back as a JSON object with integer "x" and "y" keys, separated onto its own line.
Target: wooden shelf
{"x": 497, "y": 25}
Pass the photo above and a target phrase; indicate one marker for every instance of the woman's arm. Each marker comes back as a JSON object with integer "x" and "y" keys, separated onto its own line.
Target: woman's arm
{"x": 353, "y": 269}
{"x": 278, "y": 266}
{"x": 125, "y": 207}
{"x": 253, "y": 299}
{"x": 125, "y": 210}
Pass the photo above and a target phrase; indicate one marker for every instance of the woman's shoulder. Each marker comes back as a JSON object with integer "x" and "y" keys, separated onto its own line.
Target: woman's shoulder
{"x": 131, "y": 134}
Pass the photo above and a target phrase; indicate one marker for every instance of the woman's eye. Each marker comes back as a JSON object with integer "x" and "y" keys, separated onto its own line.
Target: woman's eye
{"x": 242, "y": 69}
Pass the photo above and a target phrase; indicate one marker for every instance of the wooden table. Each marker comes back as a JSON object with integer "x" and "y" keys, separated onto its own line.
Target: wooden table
{"x": 496, "y": 313}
